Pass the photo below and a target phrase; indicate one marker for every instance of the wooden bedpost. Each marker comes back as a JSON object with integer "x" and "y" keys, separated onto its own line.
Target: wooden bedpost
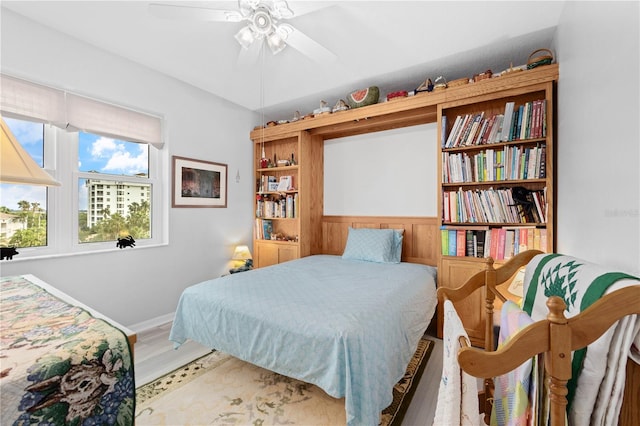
{"x": 490, "y": 297}
{"x": 558, "y": 360}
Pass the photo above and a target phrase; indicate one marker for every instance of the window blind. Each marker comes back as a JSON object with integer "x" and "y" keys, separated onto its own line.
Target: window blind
{"x": 27, "y": 100}
{"x": 105, "y": 119}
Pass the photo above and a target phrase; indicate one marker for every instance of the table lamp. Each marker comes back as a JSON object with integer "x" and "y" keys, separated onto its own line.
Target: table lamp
{"x": 242, "y": 255}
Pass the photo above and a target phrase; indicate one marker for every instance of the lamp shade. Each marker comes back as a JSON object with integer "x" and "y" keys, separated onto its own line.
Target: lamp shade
{"x": 17, "y": 166}
{"x": 241, "y": 253}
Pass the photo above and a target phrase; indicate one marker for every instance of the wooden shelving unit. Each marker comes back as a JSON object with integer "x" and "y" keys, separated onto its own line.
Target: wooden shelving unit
{"x": 305, "y": 139}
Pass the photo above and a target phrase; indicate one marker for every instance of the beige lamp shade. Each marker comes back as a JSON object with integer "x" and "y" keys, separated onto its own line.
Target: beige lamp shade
{"x": 17, "y": 166}
{"x": 241, "y": 253}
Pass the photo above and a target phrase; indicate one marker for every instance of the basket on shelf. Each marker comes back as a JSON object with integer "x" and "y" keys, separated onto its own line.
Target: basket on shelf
{"x": 482, "y": 76}
{"x": 545, "y": 57}
{"x": 458, "y": 82}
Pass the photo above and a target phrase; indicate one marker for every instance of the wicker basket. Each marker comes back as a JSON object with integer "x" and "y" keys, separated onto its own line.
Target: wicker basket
{"x": 545, "y": 57}
{"x": 458, "y": 82}
{"x": 482, "y": 76}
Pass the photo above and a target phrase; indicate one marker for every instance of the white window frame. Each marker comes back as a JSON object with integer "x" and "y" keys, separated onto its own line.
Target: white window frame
{"x": 61, "y": 162}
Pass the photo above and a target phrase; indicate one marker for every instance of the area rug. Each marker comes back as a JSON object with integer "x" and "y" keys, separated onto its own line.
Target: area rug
{"x": 220, "y": 389}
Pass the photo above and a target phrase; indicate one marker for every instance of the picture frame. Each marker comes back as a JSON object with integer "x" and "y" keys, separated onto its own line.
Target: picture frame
{"x": 198, "y": 183}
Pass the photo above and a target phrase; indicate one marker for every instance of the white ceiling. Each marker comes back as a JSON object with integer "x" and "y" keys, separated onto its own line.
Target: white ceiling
{"x": 394, "y": 45}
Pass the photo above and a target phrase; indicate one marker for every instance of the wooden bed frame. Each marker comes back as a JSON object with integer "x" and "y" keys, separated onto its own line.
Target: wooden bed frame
{"x": 556, "y": 336}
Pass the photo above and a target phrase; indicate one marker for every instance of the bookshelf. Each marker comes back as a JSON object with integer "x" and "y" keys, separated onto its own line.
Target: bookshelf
{"x": 497, "y": 184}
{"x": 286, "y": 196}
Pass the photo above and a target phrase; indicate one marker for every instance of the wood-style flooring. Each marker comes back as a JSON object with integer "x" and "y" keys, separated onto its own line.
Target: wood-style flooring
{"x": 155, "y": 356}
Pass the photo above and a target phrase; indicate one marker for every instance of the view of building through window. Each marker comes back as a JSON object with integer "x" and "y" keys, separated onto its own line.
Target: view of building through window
{"x": 113, "y": 197}
{"x": 118, "y": 207}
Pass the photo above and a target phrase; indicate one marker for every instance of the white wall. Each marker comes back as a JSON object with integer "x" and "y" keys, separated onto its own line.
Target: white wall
{"x": 136, "y": 285}
{"x": 389, "y": 173}
{"x": 598, "y": 48}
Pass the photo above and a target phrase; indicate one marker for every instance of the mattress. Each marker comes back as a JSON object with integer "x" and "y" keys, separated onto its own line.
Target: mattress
{"x": 349, "y": 327}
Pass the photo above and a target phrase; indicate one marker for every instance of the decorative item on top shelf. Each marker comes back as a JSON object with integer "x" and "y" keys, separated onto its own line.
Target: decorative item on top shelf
{"x": 324, "y": 109}
{"x": 364, "y": 97}
{"x": 482, "y": 76}
{"x": 397, "y": 95}
{"x": 426, "y": 86}
{"x": 296, "y": 116}
{"x": 512, "y": 69}
{"x": 441, "y": 83}
{"x": 543, "y": 59}
{"x": 458, "y": 82}
{"x": 341, "y": 105}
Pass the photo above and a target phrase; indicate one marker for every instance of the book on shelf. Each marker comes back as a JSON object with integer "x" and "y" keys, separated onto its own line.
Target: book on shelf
{"x": 494, "y": 206}
{"x": 508, "y": 163}
{"x": 500, "y": 243}
{"x": 453, "y": 240}
{"x": 285, "y": 183}
{"x": 508, "y": 120}
{"x": 264, "y": 229}
{"x": 461, "y": 245}
{"x": 517, "y": 122}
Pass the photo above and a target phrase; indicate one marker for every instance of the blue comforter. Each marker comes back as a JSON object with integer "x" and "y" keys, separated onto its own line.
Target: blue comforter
{"x": 349, "y": 327}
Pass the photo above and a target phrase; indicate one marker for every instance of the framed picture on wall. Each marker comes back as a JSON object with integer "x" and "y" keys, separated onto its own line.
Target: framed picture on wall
{"x": 198, "y": 183}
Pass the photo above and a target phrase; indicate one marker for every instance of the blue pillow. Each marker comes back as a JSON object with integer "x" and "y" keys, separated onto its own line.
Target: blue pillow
{"x": 373, "y": 245}
{"x": 396, "y": 251}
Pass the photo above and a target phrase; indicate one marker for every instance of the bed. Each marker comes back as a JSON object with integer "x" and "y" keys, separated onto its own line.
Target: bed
{"x": 569, "y": 350}
{"x": 62, "y": 362}
{"x": 347, "y": 325}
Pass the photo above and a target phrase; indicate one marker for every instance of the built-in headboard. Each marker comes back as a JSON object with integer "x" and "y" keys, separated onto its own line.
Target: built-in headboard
{"x": 419, "y": 245}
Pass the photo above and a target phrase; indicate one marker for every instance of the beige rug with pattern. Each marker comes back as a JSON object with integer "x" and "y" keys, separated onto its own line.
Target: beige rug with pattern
{"x": 220, "y": 389}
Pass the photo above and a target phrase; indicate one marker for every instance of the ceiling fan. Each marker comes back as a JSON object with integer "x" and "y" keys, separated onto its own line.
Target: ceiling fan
{"x": 264, "y": 24}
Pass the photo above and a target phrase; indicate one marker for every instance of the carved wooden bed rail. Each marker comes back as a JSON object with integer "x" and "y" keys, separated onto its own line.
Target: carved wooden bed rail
{"x": 556, "y": 337}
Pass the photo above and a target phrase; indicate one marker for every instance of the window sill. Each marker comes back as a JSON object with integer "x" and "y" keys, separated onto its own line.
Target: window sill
{"x": 17, "y": 258}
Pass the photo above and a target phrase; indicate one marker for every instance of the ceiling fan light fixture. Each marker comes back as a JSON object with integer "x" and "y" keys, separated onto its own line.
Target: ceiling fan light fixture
{"x": 276, "y": 43}
{"x": 245, "y": 37}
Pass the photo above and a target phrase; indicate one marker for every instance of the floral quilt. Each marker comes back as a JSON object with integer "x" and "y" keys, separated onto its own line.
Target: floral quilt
{"x": 59, "y": 365}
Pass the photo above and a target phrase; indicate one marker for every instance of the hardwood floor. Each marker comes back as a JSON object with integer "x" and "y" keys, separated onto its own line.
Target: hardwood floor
{"x": 155, "y": 356}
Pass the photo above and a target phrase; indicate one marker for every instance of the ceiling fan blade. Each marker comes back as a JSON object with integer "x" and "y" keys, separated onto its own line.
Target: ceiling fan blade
{"x": 280, "y": 10}
{"x": 247, "y": 7}
{"x": 249, "y": 57}
{"x": 305, "y": 45}
{"x": 196, "y": 13}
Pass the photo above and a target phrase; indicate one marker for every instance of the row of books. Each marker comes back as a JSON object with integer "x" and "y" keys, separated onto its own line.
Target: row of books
{"x": 498, "y": 243}
{"x": 518, "y": 122}
{"x": 268, "y": 183}
{"x": 508, "y": 163}
{"x": 263, "y": 229}
{"x": 505, "y": 205}
{"x": 277, "y": 207}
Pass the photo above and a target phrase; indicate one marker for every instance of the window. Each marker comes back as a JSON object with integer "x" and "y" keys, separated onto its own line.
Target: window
{"x": 23, "y": 208}
{"x": 99, "y": 218}
{"x": 110, "y": 185}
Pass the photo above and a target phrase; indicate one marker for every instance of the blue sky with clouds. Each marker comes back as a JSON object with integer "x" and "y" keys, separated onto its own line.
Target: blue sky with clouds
{"x": 95, "y": 153}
